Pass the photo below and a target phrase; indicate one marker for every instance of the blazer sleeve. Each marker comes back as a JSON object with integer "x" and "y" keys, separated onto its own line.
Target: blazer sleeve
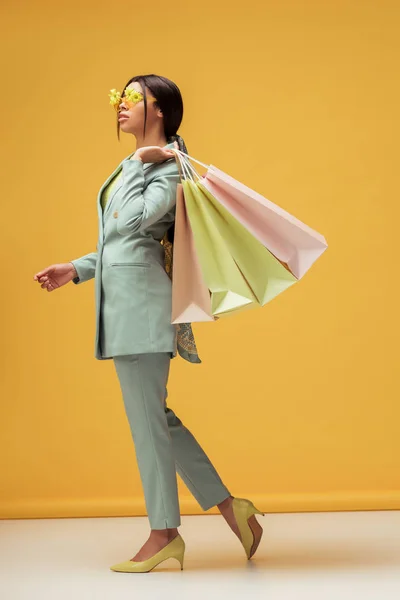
{"x": 85, "y": 267}
{"x": 140, "y": 208}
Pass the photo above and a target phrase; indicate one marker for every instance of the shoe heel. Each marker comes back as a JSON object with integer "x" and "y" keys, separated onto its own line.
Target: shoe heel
{"x": 180, "y": 557}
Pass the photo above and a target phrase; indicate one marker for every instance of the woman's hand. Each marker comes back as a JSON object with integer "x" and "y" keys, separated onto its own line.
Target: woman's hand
{"x": 54, "y": 276}
{"x": 153, "y": 154}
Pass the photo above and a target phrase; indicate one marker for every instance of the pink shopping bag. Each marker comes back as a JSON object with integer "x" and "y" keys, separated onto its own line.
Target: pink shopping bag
{"x": 191, "y": 298}
{"x": 293, "y": 242}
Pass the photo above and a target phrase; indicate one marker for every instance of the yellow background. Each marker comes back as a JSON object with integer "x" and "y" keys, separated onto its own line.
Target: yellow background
{"x": 296, "y": 403}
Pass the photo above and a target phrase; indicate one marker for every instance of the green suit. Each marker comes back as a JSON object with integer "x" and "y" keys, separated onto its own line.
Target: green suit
{"x": 133, "y": 326}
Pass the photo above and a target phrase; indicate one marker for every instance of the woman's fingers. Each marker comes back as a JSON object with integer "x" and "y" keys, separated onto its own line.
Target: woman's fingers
{"x": 42, "y": 279}
{"x": 49, "y": 286}
{"x": 45, "y": 271}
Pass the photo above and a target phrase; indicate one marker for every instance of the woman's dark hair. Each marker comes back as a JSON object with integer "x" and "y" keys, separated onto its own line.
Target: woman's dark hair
{"x": 169, "y": 100}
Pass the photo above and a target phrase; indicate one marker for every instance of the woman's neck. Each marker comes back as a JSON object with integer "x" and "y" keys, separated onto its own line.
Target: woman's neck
{"x": 151, "y": 140}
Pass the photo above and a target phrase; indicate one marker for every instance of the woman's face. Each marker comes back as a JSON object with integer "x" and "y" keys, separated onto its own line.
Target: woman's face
{"x": 134, "y": 121}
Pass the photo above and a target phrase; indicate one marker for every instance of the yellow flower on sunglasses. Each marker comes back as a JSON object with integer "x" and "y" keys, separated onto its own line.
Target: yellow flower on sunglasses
{"x": 133, "y": 95}
{"x": 115, "y": 97}
{"x": 130, "y": 98}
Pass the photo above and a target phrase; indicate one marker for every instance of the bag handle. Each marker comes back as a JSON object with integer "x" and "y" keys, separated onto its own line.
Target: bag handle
{"x": 187, "y": 169}
{"x": 183, "y": 170}
{"x": 191, "y": 158}
{"x": 186, "y": 165}
{"x": 179, "y": 165}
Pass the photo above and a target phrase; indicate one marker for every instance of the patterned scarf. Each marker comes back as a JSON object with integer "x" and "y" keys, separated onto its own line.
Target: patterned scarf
{"x": 186, "y": 343}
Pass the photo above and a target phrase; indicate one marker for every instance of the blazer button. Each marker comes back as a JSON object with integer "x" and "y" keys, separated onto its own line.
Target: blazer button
{"x": 115, "y": 215}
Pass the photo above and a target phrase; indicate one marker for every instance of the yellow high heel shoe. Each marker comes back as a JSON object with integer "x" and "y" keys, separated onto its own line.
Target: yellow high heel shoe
{"x": 243, "y": 509}
{"x": 174, "y": 549}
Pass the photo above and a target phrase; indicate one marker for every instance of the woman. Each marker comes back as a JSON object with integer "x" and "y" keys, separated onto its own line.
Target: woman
{"x": 136, "y": 209}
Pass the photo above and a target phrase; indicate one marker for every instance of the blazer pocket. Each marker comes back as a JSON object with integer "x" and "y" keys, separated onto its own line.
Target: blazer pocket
{"x": 130, "y": 264}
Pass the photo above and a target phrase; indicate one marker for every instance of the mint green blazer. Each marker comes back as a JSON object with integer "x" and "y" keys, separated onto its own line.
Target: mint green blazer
{"x": 133, "y": 292}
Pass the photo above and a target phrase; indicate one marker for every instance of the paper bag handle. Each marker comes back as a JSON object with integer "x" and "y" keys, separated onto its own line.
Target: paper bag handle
{"x": 187, "y": 167}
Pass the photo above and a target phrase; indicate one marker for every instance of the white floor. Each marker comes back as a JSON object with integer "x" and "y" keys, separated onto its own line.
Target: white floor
{"x": 310, "y": 556}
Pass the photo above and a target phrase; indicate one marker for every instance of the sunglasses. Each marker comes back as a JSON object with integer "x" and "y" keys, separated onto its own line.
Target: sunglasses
{"x": 130, "y": 98}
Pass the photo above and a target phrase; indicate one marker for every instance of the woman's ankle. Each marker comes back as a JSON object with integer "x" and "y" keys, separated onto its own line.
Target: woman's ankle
{"x": 167, "y": 533}
{"x": 225, "y": 503}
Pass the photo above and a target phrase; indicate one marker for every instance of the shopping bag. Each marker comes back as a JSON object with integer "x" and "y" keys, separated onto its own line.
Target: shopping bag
{"x": 293, "y": 242}
{"x": 191, "y": 299}
{"x": 230, "y": 292}
{"x": 263, "y": 272}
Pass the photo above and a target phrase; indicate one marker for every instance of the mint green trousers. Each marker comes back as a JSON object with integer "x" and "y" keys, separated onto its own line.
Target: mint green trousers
{"x": 163, "y": 445}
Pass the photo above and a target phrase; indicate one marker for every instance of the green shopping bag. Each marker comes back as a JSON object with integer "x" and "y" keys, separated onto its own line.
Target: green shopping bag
{"x": 231, "y": 256}
{"x": 229, "y": 289}
{"x": 264, "y": 273}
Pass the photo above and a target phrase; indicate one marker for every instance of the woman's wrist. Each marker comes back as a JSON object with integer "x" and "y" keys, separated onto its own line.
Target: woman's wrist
{"x": 136, "y": 156}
